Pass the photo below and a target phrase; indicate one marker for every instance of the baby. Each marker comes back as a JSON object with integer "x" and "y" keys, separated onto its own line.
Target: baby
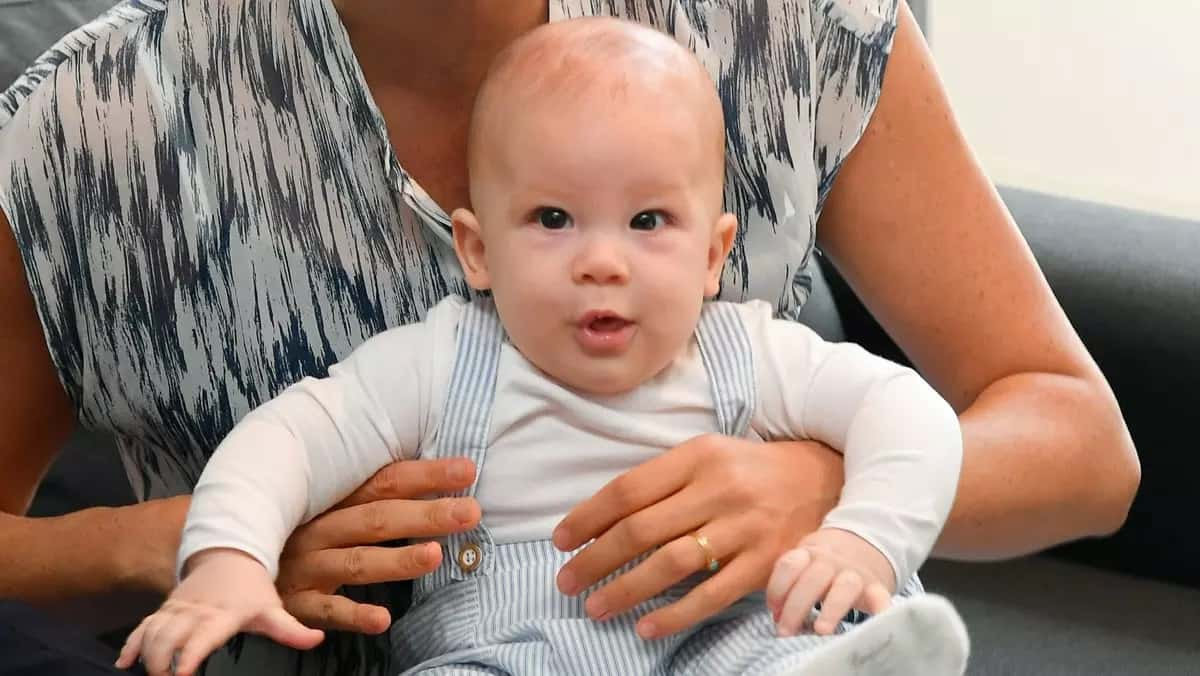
{"x": 596, "y": 159}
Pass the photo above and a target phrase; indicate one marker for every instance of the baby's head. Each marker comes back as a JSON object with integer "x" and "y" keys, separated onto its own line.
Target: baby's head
{"x": 597, "y": 161}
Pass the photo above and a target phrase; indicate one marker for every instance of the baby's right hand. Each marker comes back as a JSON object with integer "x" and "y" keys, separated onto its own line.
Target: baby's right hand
{"x": 224, "y": 592}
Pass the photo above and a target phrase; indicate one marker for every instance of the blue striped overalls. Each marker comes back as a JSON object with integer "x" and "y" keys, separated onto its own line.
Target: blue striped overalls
{"x": 494, "y": 609}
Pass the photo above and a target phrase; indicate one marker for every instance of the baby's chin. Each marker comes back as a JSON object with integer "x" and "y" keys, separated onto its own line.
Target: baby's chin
{"x": 609, "y": 381}
{"x": 598, "y": 377}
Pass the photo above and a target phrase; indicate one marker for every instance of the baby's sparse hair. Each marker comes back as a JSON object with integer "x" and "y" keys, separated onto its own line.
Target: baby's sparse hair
{"x": 593, "y": 59}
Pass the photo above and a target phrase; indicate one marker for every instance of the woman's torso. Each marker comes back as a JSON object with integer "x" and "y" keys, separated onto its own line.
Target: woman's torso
{"x": 209, "y": 208}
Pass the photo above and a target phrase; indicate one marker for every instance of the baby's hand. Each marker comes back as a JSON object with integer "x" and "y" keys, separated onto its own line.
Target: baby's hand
{"x": 224, "y": 592}
{"x": 835, "y": 567}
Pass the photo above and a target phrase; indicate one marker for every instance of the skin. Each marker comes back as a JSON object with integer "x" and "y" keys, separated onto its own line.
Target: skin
{"x": 1047, "y": 456}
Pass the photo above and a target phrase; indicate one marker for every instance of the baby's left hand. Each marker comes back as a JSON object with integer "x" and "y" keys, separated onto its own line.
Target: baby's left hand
{"x": 225, "y": 591}
{"x": 835, "y": 567}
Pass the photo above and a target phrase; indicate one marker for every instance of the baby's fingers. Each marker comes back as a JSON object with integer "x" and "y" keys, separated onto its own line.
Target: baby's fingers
{"x": 132, "y": 647}
{"x": 813, "y": 584}
{"x": 279, "y": 626}
{"x": 844, "y": 594}
{"x": 876, "y": 598}
{"x": 165, "y": 634}
{"x": 207, "y": 637}
{"x": 788, "y": 569}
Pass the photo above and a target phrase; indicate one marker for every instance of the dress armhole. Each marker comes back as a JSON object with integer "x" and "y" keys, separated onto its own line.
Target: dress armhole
{"x": 853, "y": 39}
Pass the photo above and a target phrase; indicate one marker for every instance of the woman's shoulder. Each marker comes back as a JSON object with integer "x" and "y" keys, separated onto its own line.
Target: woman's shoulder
{"x": 112, "y": 28}
{"x": 864, "y": 19}
{"x": 148, "y": 53}
{"x": 852, "y": 43}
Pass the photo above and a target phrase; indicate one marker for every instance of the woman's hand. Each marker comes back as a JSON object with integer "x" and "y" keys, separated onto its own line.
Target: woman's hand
{"x": 338, "y": 547}
{"x": 751, "y": 500}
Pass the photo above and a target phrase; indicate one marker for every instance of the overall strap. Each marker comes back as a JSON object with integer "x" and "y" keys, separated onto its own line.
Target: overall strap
{"x": 728, "y": 358}
{"x": 463, "y": 431}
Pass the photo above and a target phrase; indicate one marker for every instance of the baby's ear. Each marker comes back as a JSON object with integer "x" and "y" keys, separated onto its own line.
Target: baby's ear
{"x": 468, "y": 244}
{"x": 718, "y": 250}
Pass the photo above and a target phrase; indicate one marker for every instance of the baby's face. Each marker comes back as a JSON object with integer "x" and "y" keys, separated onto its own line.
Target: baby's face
{"x": 600, "y": 232}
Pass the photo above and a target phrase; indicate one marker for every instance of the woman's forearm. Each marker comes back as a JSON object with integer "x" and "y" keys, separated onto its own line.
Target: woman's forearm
{"x": 1046, "y": 458}
{"x": 94, "y": 551}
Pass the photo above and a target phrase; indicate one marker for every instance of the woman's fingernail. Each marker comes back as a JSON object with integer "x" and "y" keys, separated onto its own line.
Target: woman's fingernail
{"x": 458, "y": 472}
{"x": 561, "y": 538}
{"x": 462, "y": 513}
{"x": 380, "y": 619}
{"x": 646, "y": 629}
{"x": 430, "y": 553}
{"x": 566, "y": 583}
{"x": 595, "y": 608}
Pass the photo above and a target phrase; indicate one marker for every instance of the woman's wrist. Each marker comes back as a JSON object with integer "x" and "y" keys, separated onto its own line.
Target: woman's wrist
{"x": 91, "y": 552}
{"x": 145, "y": 543}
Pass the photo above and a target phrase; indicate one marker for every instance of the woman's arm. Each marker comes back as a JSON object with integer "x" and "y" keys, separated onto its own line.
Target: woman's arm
{"x": 921, "y": 235}
{"x": 88, "y": 552}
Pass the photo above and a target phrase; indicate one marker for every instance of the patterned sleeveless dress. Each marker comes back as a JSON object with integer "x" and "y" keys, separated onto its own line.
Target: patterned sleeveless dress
{"x": 209, "y": 209}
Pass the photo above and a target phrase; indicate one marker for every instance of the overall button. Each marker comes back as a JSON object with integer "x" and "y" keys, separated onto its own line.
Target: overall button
{"x": 469, "y": 557}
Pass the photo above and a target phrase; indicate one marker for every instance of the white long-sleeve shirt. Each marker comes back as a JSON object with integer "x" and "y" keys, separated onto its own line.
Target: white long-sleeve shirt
{"x": 551, "y": 447}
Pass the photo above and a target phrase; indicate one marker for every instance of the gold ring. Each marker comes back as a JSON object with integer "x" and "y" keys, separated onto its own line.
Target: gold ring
{"x": 710, "y": 562}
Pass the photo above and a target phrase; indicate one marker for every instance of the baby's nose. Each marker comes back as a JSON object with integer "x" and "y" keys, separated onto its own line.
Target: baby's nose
{"x": 601, "y": 262}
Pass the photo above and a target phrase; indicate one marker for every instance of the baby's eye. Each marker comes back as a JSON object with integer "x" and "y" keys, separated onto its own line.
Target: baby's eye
{"x": 647, "y": 220}
{"x": 553, "y": 219}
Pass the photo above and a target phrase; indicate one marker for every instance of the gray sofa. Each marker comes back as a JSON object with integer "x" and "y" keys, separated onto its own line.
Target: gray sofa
{"x": 1129, "y": 604}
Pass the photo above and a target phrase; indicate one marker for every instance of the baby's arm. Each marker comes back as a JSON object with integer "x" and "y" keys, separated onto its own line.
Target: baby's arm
{"x": 286, "y": 462}
{"x": 903, "y": 451}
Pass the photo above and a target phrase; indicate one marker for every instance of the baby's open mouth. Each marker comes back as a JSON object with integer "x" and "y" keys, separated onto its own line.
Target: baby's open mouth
{"x": 607, "y": 324}
{"x": 604, "y": 332}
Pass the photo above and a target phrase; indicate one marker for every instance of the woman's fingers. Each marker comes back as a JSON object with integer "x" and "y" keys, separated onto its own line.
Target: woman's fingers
{"x": 677, "y": 560}
{"x": 383, "y": 521}
{"x": 708, "y": 598}
{"x": 636, "y": 534}
{"x": 334, "y": 549}
{"x": 333, "y": 568}
{"x": 629, "y": 493}
{"x": 844, "y": 594}
{"x": 410, "y": 479}
{"x": 337, "y": 613}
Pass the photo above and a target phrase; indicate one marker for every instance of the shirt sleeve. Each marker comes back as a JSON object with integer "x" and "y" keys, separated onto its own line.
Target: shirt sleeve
{"x": 852, "y": 42}
{"x": 302, "y": 452}
{"x": 901, "y": 441}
